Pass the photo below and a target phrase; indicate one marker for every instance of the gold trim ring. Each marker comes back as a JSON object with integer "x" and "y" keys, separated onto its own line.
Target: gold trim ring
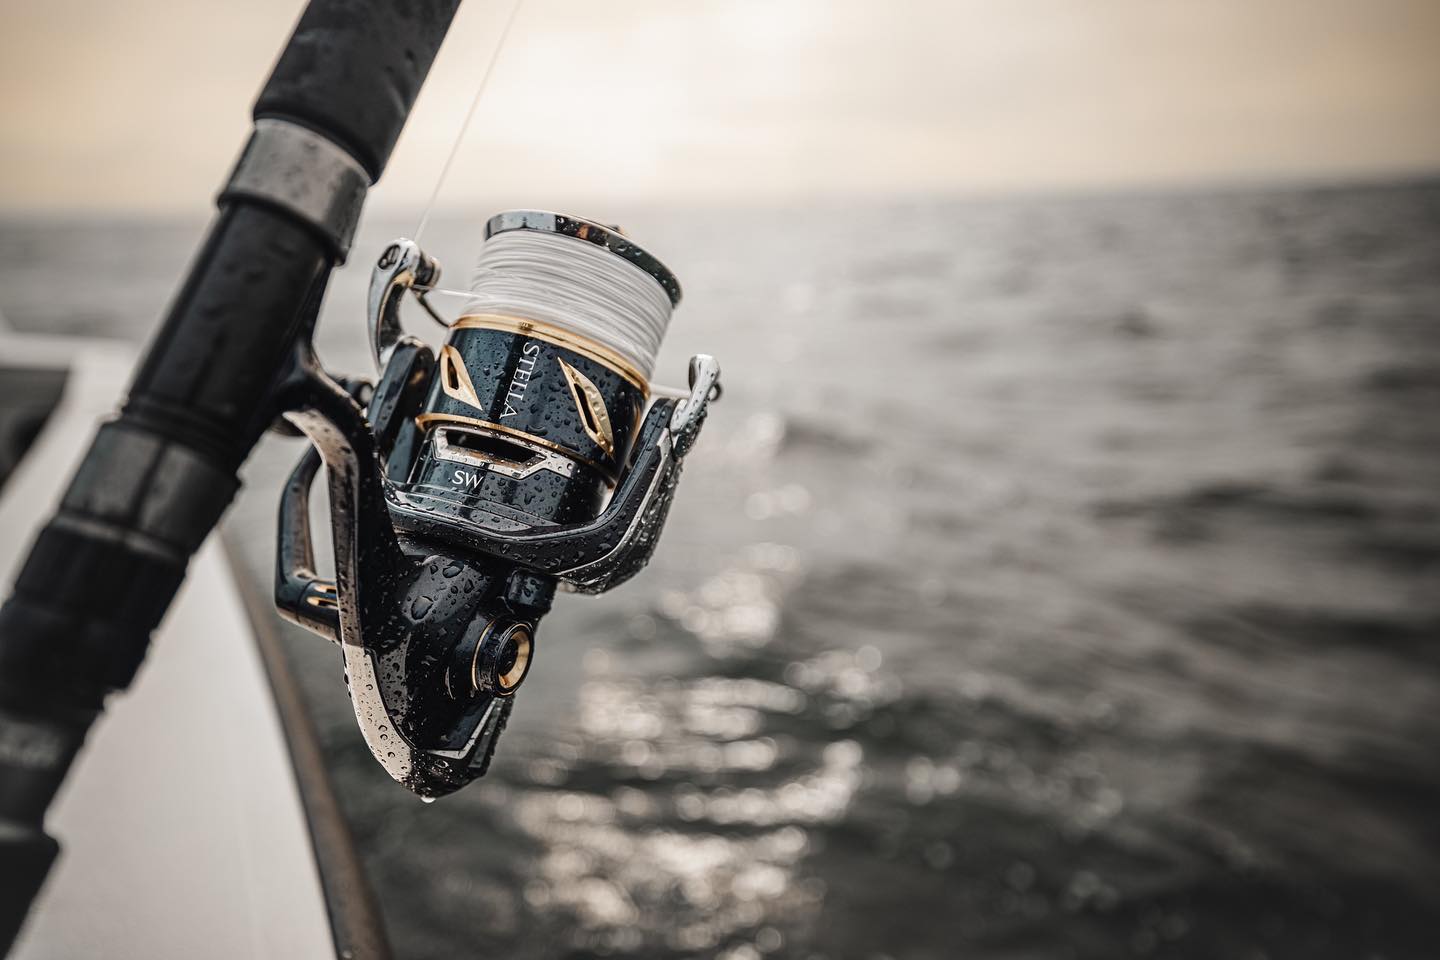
{"x": 550, "y": 333}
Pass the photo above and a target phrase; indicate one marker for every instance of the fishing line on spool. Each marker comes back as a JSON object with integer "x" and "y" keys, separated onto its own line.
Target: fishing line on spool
{"x": 582, "y": 287}
{"x": 573, "y": 284}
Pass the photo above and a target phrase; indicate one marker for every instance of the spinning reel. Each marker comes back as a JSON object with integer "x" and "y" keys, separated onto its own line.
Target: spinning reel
{"x": 465, "y": 487}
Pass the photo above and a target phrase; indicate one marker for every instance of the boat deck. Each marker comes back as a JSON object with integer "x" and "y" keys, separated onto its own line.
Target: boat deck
{"x": 182, "y": 831}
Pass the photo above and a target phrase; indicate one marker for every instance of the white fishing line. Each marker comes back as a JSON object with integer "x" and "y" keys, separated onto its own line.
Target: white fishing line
{"x": 469, "y": 115}
{"x": 576, "y": 285}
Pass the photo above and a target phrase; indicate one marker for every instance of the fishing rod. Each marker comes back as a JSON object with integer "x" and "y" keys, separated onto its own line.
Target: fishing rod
{"x": 531, "y": 453}
{"x": 156, "y": 478}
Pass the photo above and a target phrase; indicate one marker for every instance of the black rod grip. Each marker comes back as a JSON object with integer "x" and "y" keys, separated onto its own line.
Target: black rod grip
{"x": 206, "y": 377}
{"x": 353, "y": 68}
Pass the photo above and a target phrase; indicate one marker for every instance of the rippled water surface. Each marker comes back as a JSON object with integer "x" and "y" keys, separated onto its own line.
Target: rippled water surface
{"x": 1057, "y": 579}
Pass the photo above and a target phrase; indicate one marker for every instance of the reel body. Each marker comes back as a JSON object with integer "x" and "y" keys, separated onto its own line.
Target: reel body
{"x": 465, "y": 488}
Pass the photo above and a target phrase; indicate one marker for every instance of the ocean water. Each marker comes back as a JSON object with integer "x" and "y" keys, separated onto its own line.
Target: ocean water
{"x": 1057, "y": 578}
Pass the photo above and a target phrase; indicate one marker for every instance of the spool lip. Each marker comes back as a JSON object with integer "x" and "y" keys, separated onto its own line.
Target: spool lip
{"x": 588, "y": 230}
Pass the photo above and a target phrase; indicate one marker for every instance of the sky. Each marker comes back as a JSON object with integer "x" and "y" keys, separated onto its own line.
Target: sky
{"x": 140, "y": 106}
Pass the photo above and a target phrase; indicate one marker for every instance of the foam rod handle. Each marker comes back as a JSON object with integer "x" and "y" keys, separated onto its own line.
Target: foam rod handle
{"x": 353, "y": 69}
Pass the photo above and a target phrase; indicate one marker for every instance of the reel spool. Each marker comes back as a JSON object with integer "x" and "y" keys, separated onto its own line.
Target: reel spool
{"x": 528, "y": 454}
{"x": 544, "y": 377}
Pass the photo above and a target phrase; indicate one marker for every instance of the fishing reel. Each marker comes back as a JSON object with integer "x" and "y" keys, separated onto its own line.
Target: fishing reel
{"x": 465, "y": 487}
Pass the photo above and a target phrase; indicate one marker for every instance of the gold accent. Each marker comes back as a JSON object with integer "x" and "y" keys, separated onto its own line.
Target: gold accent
{"x": 594, "y": 415}
{"x": 426, "y": 419}
{"x": 550, "y": 333}
{"x": 455, "y": 379}
{"x": 511, "y": 678}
